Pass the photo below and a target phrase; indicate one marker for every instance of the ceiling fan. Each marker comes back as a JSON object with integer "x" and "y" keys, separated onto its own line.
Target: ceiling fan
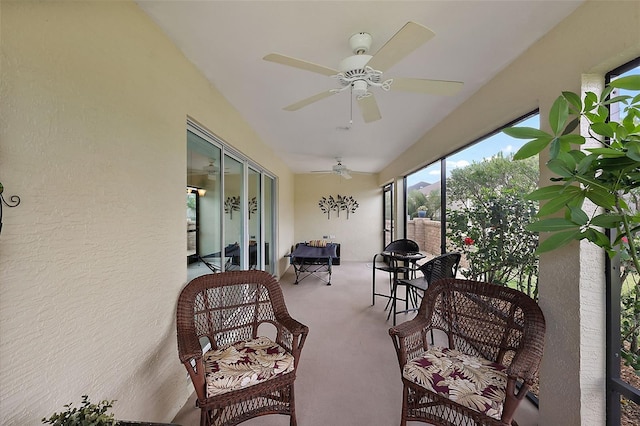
{"x": 338, "y": 169}
{"x": 210, "y": 171}
{"x": 360, "y": 72}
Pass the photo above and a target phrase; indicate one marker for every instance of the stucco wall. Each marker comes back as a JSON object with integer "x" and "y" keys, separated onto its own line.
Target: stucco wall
{"x": 360, "y": 236}
{"x": 94, "y": 103}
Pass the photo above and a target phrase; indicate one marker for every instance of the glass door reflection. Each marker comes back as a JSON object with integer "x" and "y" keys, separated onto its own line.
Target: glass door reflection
{"x": 254, "y": 207}
{"x": 233, "y": 213}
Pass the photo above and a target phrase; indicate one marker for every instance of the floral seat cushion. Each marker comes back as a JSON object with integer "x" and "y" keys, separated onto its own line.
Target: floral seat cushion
{"x": 470, "y": 381}
{"x": 244, "y": 364}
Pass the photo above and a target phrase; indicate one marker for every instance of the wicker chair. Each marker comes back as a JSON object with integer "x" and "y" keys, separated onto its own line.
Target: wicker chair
{"x": 238, "y": 375}
{"x": 495, "y": 341}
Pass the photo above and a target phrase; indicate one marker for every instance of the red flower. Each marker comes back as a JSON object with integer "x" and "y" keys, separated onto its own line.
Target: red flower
{"x": 468, "y": 241}
{"x": 625, "y": 240}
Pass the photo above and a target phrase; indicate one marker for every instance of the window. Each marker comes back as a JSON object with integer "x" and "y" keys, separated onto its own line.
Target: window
{"x": 623, "y": 316}
{"x": 479, "y": 210}
{"x": 230, "y": 208}
{"x": 387, "y": 214}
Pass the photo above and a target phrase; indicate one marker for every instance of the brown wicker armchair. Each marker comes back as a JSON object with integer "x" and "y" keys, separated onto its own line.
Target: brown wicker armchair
{"x": 495, "y": 340}
{"x": 238, "y": 375}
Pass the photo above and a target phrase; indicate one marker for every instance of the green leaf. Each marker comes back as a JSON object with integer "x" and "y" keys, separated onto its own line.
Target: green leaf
{"x": 608, "y": 152}
{"x": 607, "y": 220}
{"x": 601, "y": 197}
{"x": 558, "y": 240}
{"x": 560, "y": 167}
{"x": 573, "y": 124}
{"x": 525, "y": 133}
{"x": 577, "y": 156}
{"x": 546, "y": 192}
{"x": 598, "y": 238}
{"x": 532, "y": 148}
{"x": 555, "y": 147}
{"x": 616, "y": 99}
{"x": 613, "y": 164}
{"x": 551, "y": 225}
{"x": 631, "y": 82}
{"x": 558, "y": 115}
{"x": 605, "y": 93}
{"x": 578, "y": 216}
{"x": 603, "y": 114}
{"x": 584, "y": 164}
{"x": 628, "y": 124}
{"x": 603, "y": 129}
{"x": 590, "y": 99}
{"x": 574, "y": 100}
{"x": 573, "y": 139}
{"x": 557, "y": 203}
{"x": 633, "y": 150}
{"x": 570, "y": 158}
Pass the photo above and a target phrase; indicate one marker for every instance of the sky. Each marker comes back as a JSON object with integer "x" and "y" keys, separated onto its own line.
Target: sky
{"x": 477, "y": 152}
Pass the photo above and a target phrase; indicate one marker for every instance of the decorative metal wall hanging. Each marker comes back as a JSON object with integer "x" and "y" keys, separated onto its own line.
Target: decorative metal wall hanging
{"x": 231, "y": 204}
{"x": 14, "y": 200}
{"x": 341, "y": 202}
{"x": 253, "y": 206}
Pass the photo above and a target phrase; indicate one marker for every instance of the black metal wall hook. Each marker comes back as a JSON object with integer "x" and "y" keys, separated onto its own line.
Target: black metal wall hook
{"x": 14, "y": 201}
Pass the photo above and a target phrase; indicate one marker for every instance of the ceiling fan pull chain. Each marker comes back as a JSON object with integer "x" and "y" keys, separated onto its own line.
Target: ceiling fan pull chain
{"x": 351, "y": 109}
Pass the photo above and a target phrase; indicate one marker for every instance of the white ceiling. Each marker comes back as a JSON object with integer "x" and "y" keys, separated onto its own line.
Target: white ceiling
{"x": 227, "y": 40}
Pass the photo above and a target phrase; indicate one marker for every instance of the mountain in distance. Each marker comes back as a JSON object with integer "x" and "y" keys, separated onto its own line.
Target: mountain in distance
{"x": 425, "y": 187}
{"x": 418, "y": 186}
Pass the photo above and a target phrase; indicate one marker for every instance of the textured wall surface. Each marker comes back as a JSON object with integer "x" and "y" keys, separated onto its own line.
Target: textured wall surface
{"x": 360, "y": 236}
{"x": 94, "y": 103}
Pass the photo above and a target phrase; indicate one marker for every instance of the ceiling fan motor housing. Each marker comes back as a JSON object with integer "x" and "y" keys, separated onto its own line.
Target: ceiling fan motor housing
{"x": 360, "y": 43}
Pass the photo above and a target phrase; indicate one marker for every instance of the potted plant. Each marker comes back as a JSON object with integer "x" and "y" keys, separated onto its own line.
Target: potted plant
{"x": 422, "y": 211}
{"x": 90, "y": 414}
{"x": 85, "y": 415}
{"x": 607, "y": 173}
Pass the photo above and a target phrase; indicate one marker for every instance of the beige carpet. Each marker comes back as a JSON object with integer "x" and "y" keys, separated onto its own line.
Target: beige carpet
{"x": 348, "y": 373}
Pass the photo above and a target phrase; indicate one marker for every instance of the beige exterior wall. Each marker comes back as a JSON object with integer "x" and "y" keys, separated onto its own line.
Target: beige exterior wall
{"x": 360, "y": 236}
{"x": 94, "y": 103}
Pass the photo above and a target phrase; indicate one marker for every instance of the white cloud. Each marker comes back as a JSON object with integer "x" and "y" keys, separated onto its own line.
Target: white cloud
{"x": 508, "y": 148}
{"x": 457, "y": 164}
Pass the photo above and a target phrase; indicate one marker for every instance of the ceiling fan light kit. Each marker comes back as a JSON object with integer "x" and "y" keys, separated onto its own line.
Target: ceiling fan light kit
{"x": 362, "y": 71}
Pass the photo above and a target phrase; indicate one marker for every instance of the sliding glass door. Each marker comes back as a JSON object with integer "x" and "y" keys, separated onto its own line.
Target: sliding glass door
{"x": 254, "y": 219}
{"x": 203, "y": 198}
{"x": 269, "y": 223}
{"x": 230, "y": 209}
{"x": 233, "y": 213}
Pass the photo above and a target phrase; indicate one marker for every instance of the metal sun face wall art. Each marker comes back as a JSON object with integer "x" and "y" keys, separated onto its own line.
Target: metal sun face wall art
{"x": 330, "y": 204}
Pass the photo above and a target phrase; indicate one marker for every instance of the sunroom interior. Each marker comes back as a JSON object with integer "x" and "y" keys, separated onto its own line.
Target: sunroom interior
{"x": 97, "y": 102}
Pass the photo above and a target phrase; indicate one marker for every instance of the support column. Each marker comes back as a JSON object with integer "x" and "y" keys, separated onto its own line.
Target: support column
{"x": 572, "y": 297}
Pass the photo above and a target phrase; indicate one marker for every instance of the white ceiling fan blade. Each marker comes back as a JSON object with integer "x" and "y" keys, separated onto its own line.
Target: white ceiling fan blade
{"x": 345, "y": 174}
{"x": 307, "y": 101}
{"x": 369, "y": 109}
{"x": 298, "y": 63}
{"x": 434, "y": 87}
{"x": 405, "y": 41}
